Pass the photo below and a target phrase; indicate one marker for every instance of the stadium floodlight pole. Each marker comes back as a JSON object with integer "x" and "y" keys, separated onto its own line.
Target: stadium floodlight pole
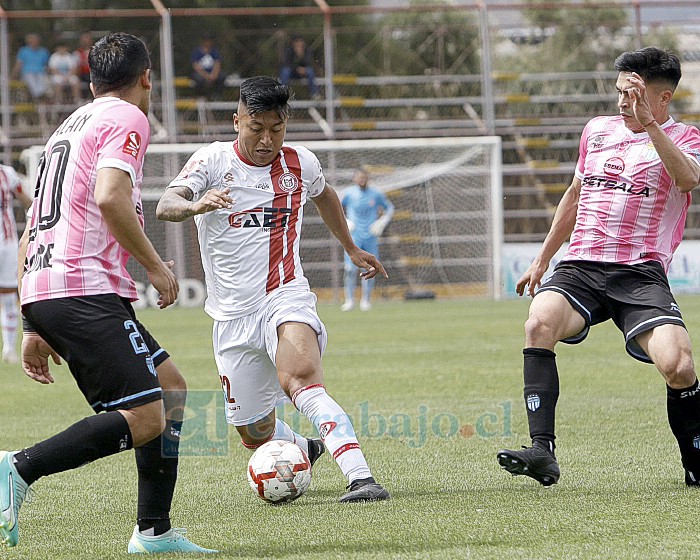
{"x": 5, "y": 88}
{"x": 328, "y": 64}
{"x": 497, "y": 224}
{"x": 336, "y": 257}
{"x": 174, "y": 234}
{"x": 486, "y": 71}
{"x": 637, "y": 24}
{"x": 167, "y": 70}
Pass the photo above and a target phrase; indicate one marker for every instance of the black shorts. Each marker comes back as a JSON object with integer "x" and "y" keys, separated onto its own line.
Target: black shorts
{"x": 112, "y": 357}
{"x": 636, "y": 297}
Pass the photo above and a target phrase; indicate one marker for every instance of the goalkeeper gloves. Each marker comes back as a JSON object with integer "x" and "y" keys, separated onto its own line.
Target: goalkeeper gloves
{"x": 379, "y": 225}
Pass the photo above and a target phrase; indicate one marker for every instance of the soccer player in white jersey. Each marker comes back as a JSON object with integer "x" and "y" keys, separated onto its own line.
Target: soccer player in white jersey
{"x": 247, "y": 198}
{"x": 76, "y": 294}
{"x": 625, "y": 211}
{"x": 10, "y": 188}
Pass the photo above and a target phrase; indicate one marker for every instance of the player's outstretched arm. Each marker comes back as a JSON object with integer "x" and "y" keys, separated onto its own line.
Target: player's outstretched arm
{"x": 113, "y": 198}
{"x": 176, "y": 204}
{"x": 331, "y": 211}
{"x": 560, "y": 230}
{"x": 35, "y": 358}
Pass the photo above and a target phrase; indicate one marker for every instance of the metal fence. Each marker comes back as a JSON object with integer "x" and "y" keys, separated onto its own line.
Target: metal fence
{"x": 376, "y": 54}
{"x": 532, "y": 73}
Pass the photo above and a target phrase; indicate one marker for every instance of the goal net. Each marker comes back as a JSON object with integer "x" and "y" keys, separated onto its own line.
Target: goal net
{"x": 444, "y": 239}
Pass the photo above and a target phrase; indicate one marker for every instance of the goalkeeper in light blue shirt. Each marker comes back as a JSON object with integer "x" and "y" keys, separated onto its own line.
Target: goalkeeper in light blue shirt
{"x": 368, "y": 212}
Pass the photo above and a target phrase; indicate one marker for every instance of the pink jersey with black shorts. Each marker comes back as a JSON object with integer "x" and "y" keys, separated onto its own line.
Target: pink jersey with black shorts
{"x": 71, "y": 252}
{"x": 629, "y": 210}
{"x": 253, "y": 248}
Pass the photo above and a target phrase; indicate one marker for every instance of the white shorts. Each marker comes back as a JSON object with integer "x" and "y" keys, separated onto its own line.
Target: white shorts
{"x": 37, "y": 84}
{"x": 245, "y": 348}
{"x": 64, "y": 80}
{"x": 8, "y": 264}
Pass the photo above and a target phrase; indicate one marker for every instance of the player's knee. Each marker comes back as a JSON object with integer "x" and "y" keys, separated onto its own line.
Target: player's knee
{"x": 170, "y": 377}
{"x": 679, "y": 371}
{"x": 298, "y": 374}
{"x": 539, "y": 332}
{"x": 254, "y": 435}
{"x": 146, "y": 422}
{"x": 155, "y": 422}
{"x": 177, "y": 383}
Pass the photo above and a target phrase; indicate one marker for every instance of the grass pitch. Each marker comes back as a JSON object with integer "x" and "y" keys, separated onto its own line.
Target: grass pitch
{"x": 435, "y": 389}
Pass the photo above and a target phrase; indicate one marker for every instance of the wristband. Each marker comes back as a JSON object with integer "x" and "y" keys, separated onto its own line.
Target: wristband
{"x": 26, "y": 326}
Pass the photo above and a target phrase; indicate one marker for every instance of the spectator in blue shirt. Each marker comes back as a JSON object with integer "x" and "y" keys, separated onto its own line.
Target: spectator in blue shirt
{"x": 368, "y": 212}
{"x": 206, "y": 68}
{"x": 31, "y": 66}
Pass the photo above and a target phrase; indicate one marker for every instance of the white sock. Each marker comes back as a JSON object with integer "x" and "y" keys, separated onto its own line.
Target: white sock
{"x": 335, "y": 428}
{"x": 8, "y": 321}
{"x": 285, "y": 433}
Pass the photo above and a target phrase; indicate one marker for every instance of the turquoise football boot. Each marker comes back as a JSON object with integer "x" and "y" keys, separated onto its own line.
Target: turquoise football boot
{"x": 13, "y": 491}
{"x": 173, "y": 540}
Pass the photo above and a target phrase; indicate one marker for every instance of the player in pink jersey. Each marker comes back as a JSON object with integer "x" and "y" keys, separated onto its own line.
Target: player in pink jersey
{"x": 10, "y": 189}
{"x": 625, "y": 212}
{"x": 76, "y": 297}
{"x": 247, "y": 198}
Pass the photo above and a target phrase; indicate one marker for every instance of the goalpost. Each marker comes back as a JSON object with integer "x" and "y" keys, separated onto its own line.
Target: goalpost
{"x": 444, "y": 240}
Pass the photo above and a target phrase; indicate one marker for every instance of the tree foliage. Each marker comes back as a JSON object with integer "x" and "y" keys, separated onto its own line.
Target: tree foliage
{"x": 572, "y": 39}
{"x": 440, "y": 42}
{"x": 394, "y": 43}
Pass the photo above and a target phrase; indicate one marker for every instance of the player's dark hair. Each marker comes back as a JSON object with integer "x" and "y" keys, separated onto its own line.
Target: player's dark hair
{"x": 117, "y": 61}
{"x": 652, "y": 64}
{"x": 262, "y": 93}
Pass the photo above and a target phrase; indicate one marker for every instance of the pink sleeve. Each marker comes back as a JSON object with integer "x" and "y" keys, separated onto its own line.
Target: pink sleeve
{"x": 122, "y": 139}
{"x": 582, "y": 151}
{"x": 690, "y": 144}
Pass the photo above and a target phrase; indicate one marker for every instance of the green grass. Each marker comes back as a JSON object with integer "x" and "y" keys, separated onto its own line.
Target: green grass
{"x": 417, "y": 372}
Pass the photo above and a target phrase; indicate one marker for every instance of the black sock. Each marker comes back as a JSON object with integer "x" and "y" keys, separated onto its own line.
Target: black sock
{"x": 683, "y": 406}
{"x": 363, "y": 481}
{"x": 157, "y": 462}
{"x": 89, "y": 439}
{"x": 541, "y": 393}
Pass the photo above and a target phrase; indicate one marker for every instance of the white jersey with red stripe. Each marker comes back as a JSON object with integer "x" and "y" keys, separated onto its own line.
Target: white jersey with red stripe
{"x": 629, "y": 210}
{"x": 71, "y": 252}
{"x": 253, "y": 248}
{"x": 10, "y": 185}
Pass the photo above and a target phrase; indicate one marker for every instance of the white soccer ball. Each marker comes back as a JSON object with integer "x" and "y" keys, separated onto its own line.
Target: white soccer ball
{"x": 279, "y": 471}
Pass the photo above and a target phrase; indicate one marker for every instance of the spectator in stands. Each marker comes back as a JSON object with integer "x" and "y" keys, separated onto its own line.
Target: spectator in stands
{"x": 81, "y": 55}
{"x": 63, "y": 69}
{"x": 31, "y": 66}
{"x": 298, "y": 64}
{"x": 368, "y": 212}
{"x": 206, "y": 68}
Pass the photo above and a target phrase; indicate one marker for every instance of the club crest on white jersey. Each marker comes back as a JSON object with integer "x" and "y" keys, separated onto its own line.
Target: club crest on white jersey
{"x": 288, "y": 182}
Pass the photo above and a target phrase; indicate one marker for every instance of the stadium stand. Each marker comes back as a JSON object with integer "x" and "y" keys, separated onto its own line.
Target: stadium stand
{"x": 538, "y": 116}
